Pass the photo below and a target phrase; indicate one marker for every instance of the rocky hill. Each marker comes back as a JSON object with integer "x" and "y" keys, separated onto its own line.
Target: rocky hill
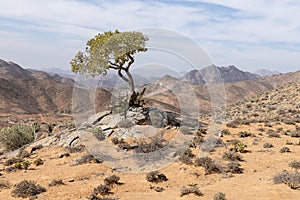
{"x": 280, "y": 104}
{"x": 266, "y": 72}
{"x": 228, "y": 74}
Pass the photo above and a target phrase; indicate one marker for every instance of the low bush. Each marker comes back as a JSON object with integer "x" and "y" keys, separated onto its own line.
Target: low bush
{"x": 219, "y": 196}
{"x": 12, "y": 161}
{"x": 87, "y": 159}
{"x": 56, "y": 182}
{"x": 102, "y": 190}
{"x": 240, "y": 147}
{"x": 156, "y": 177}
{"x": 295, "y": 164}
{"x": 155, "y": 144}
{"x": 290, "y": 179}
{"x": 95, "y": 197}
{"x": 233, "y": 124}
{"x": 26, "y": 189}
{"x": 267, "y": 145}
{"x": 273, "y": 134}
{"x": 225, "y": 132}
{"x": 208, "y": 164}
{"x": 244, "y": 134}
{"x": 185, "y": 190}
{"x": 285, "y": 150}
{"x": 232, "y": 156}
{"x": 234, "y": 167}
{"x": 295, "y": 133}
{"x": 111, "y": 180}
{"x": 99, "y": 134}
{"x": 38, "y": 162}
{"x": 16, "y": 136}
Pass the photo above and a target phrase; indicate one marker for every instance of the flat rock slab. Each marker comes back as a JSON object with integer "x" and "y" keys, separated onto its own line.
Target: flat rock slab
{"x": 97, "y": 117}
{"x": 138, "y": 131}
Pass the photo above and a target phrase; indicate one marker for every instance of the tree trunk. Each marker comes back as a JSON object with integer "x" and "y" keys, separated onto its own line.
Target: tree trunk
{"x": 131, "y": 83}
{"x": 136, "y": 99}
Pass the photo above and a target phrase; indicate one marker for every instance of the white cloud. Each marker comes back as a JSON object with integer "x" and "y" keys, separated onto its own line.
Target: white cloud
{"x": 59, "y": 28}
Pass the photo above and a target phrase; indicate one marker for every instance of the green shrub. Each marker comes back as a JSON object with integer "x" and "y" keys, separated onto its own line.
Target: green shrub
{"x": 99, "y": 134}
{"x": 26, "y": 189}
{"x": 240, "y": 147}
{"x": 16, "y": 136}
{"x": 38, "y": 162}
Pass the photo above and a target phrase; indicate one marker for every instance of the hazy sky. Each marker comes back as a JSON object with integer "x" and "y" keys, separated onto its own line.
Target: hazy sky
{"x": 250, "y": 34}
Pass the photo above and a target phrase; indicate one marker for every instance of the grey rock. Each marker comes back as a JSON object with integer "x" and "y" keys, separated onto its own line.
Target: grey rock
{"x": 45, "y": 128}
{"x": 158, "y": 118}
{"x": 137, "y": 131}
{"x": 110, "y": 121}
{"x": 97, "y": 117}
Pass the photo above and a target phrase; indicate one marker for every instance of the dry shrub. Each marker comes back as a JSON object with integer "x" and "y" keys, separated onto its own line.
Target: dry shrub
{"x": 208, "y": 164}
{"x": 185, "y": 190}
{"x": 156, "y": 177}
{"x": 26, "y": 189}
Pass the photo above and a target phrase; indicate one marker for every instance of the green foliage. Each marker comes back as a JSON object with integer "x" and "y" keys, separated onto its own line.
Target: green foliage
{"x": 109, "y": 50}
{"x": 98, "y": 133}
{"x": 22, "y": 165}
{"x": 240, "y": 147}
{"x": 38, "y": 162}
{"x": 16, "y": 136}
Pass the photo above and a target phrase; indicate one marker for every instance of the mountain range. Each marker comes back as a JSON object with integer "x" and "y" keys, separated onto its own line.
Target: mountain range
{"x": 31, "y": 91}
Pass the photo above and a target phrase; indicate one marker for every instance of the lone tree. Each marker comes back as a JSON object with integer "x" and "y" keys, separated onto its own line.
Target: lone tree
{"x": 112, "y": 50}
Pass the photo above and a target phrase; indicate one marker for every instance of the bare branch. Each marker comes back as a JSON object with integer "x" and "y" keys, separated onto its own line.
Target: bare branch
{"x": 114, "y": 65}
{"x": 130, "y": 62}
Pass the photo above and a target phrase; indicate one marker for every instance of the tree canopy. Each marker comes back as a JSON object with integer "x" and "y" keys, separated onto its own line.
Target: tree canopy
{"x": 110, "y": 50}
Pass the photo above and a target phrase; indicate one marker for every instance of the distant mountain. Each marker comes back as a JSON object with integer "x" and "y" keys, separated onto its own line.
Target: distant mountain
{"x": 266, "y": 72}
{"x": 217, "y": 74}
{"x": 60, "y": 72}
{"x": 30, "y": 91}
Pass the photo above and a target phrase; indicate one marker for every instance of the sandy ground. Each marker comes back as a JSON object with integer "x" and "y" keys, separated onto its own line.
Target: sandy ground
{"x": 260, "y": 165}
